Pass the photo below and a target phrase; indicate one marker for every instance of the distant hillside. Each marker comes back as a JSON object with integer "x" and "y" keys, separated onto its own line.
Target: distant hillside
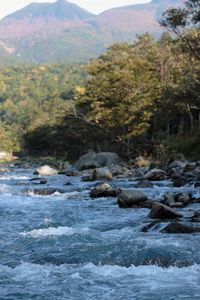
{"x": 62, "y": 31}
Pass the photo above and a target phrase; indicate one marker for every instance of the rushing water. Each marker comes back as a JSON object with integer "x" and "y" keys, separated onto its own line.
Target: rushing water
{"x": 68, "y": 246}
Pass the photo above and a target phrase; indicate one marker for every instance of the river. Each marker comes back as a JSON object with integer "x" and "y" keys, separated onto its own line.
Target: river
{"x": 68, "y": 246}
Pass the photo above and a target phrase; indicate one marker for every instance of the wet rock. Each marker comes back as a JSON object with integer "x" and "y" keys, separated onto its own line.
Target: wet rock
{"x": 181, "y": 181}
{"x": 73, "y": 173}
{"x": 87, "y": 177}
{"x": 130, "y": 198}
{"x": 146, "y": 204}
{"x": 178, "y": 164}
{"x": 168, "y": 198}
{"x": 117, "y": 170}
{"x": 144, "y": 184}
{"x": 93, "y": 160}
{"x": 161, "y": 211}
{"x": 147, "y": 227}
{"x": 197, "y": 184}
{"x": 155, "y": 174}
{"x": 45, "y": 171}
{"x": 104, "y": 190}
{"x": 176, "y": 199}
{"x": 174, "y": 173}
{"x": 179, "y": 228}
{"x": 196, "y": 200}
{"x": 101, "y": 173}
{"x": 176, "y": 204}
{"x": 196, "y": 216}
{"x": 191, "y": 166}
{"x": 44, "y": 192}
{"x": 65, "y": 167}
{"x": 38, "y": 180}
{"x": 184, "y": 198}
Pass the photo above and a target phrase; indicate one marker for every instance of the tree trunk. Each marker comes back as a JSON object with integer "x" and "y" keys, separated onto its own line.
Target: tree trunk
{"x": 191, "y": 118}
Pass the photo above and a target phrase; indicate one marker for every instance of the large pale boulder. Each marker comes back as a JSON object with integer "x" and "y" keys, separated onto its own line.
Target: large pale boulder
{"x": 93, "y": 160}
{"x": 129, "y": 198}
{"x": 101, "y": 173}
{"x": 45, "y": 171}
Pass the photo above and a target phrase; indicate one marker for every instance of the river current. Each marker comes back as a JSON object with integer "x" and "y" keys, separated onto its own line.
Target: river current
{"x": 68, "y": 246}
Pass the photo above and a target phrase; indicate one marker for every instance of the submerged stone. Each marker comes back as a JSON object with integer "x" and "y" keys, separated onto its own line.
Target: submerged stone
{"x": 179, "y": 228}
{"x": 161, "y": 211}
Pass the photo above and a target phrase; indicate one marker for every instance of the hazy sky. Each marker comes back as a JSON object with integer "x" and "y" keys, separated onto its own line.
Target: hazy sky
{"x": 95, "y": 6}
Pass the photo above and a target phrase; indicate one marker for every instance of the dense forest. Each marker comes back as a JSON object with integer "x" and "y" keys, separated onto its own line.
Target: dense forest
{"x": 136, "y": 98}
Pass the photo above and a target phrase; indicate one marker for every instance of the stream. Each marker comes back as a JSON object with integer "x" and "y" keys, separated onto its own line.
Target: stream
{"x": 69, "y": 246}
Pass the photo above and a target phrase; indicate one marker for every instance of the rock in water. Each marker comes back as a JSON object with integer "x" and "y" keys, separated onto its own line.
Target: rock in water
{"x": 161, "y": 211}
{"x": 93, "y": 160}
{"x": 104, "y": 190}
{"x": 45, "y": 191}
{"x": 45, "y": 171}
{"x": 131, "y": 198}
{"x": 179, "y": 228}
{"x": 38, "y": 180}
{"x": 155, "y": 174}
{"x": 144, "y": 184}
{"x": 101, "y": 173}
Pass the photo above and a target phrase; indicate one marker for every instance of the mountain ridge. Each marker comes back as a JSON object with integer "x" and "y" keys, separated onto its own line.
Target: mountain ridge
{"x": 59, "y": 31}
{"x": 61, "y": 8}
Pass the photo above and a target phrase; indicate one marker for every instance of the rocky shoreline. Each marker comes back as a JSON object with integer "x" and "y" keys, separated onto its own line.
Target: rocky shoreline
{"x": 102, "y": 168}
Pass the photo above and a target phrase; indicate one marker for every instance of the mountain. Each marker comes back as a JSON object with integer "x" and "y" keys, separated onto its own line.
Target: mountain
{"x": 61, "y": 10}
{"x": 63, "y": 31}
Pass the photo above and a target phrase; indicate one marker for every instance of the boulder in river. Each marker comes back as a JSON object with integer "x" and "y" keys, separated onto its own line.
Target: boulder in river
{"x": 161, "y": 211}
{"x": 180, "y": 181}
{"x": 101, "y": 173}
{"x": 104, "y": 190}
{"x": 65, "y": 167}
{"x": 179, "y": 228}
{"x": 45, "y": 191}
{"x": 38, "y": 180}
{"x": 93, "y": 160}
{"x": 155, "y": 174}
{"x": 172, "y": 199}
{"x": 178, "y": 164}
{"x": 130, "y": 198}
{"x": 144, "y": 183}
{"x": 196, "y": 216}
{"x": 45, "y": 171}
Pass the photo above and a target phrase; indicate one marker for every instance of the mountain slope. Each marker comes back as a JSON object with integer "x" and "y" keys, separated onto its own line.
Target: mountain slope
{"x": 51, "y": 32}
{"x": 61, "y": 10}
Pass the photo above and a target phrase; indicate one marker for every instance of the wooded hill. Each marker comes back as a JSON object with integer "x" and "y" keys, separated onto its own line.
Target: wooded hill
{"x": 135, "y": 98}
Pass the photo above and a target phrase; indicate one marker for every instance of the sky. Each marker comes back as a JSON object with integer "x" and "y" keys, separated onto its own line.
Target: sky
{"x": 94, "y": 6}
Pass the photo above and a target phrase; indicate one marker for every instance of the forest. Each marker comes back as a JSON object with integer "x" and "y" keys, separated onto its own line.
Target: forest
{"x": 139, "y": 98}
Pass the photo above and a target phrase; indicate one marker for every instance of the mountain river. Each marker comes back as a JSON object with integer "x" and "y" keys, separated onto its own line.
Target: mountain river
{"x": 69, "y": 246}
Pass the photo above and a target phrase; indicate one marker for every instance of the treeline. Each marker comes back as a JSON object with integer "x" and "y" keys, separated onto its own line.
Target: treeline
{"x": 138, "y": 98}
{"x": 31, "y": 96}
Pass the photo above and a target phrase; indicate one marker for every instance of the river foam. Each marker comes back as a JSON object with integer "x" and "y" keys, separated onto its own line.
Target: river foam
{"x": 54, "y": 231}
